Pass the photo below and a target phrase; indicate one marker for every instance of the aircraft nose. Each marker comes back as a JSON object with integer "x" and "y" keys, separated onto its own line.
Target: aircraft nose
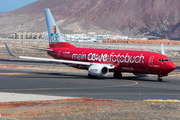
{"x": 171, "y": 67}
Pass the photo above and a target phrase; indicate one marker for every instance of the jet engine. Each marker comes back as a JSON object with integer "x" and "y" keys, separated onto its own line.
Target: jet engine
{"x": 141, "y": 74}
{"x": 98, "y": 70}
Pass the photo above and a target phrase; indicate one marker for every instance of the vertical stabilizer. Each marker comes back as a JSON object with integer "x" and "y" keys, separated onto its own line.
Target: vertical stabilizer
{"x": 54, "y": 35}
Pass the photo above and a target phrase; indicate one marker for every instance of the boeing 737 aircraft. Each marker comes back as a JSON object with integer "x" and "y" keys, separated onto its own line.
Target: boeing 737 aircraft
{"x": 99, "y": 62}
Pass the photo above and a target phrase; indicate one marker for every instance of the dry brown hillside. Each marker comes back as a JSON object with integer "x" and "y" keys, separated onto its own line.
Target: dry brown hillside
{"x": 134, "y": 18}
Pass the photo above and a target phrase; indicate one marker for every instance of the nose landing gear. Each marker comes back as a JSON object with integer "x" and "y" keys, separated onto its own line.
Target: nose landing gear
{"x": 160, "y": 77}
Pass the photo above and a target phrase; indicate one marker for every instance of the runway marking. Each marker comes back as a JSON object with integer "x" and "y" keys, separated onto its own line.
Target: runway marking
{"x": 115, "y": 94}
{"x": 133, "y": 83}
{"x": 14, "y": 73}
{"x": 110, "y": 94}
{"x": 137, "y": 94}
{"x": 161, "y": 100}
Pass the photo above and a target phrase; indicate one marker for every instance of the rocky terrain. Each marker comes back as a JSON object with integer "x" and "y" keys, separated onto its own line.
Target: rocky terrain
{"x": 134, "y": 18}
{"x": 90, "y": 109}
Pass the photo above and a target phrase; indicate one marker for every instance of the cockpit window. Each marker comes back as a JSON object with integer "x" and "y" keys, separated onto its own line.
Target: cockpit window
{"x": 160, "y": 60}
{"x": 166, "y": 59}
{"x": 163, "y": 60}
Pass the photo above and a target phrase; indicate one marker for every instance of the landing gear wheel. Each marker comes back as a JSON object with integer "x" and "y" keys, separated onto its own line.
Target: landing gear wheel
{"x": 91, "y": 76}
{"x": 117, "y": 75}
{"x": 159, "y": 79}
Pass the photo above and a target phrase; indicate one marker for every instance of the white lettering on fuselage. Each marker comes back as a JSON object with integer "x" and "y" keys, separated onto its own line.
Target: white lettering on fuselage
{"x": 96, "y": 57}
{"x": 116, "y": 58}
{"x": 110, "y": 58}
{"x": 79, "y": 56}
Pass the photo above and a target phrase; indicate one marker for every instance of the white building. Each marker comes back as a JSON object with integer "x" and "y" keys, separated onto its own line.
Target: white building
{"x": 91, "y": 37}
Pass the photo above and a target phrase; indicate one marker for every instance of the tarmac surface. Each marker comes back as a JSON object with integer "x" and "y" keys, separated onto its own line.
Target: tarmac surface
{"x": 77, "y": 84}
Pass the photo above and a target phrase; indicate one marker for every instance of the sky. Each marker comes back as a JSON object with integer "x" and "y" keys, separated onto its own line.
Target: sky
{"x": 9, "y": 5}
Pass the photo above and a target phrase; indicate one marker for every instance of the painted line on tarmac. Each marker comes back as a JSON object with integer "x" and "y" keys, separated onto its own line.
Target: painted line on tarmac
{"x": 136, "y": 94}
{"x": 14, "y": 73}
{"x": 95, "y": 94}
{"x": 99, "y": 87}
{"x": 161, "y": 100}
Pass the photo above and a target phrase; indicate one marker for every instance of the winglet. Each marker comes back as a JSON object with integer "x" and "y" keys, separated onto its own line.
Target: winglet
{"x": 10, "y": 53}
{"x": 162, "y": 50}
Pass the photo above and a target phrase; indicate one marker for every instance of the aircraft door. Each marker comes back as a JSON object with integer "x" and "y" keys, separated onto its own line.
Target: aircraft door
{"x": 151, "y": 61}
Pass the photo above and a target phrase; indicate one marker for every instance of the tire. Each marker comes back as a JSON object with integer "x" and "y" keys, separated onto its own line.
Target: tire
{"x": 92, "y": 77}
{"x": 117, "y": 75}
{"x": 159, "y": 79}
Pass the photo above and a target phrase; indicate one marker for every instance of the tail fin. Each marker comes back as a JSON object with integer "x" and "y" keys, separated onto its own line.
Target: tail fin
{"x": 54, "y": 35}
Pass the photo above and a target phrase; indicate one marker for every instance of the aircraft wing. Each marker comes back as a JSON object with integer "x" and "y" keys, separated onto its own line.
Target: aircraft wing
{"x": 109, "y": 66}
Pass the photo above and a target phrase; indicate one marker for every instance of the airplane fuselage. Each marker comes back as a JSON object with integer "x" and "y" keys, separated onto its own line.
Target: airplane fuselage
{"x": 124, "y": 60}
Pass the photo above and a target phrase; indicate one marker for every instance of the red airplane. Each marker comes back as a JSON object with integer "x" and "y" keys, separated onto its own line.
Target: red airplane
{"x": 99, "y": 62}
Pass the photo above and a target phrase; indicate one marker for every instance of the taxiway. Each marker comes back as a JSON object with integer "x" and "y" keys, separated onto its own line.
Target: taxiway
{"x": 77, "y": 84}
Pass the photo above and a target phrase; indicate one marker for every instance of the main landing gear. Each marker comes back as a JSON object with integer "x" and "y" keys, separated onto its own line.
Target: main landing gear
{"x": 91, "y": 76}
{"x": 117, "y": 75}
{"x": 159, "y": 79}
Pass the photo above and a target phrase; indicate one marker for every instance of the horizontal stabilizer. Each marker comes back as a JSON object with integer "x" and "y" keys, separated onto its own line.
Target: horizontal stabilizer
{"x": 42, "y": 49}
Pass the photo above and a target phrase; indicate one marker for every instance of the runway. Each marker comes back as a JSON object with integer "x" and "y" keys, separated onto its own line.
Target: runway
{"x": 77, "y": 84}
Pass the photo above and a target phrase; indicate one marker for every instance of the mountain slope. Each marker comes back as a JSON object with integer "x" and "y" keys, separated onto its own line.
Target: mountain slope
{"x": 135, "y": 18}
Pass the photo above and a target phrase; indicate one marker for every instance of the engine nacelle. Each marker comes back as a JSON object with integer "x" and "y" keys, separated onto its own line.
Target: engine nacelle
{"x": 141, "y": 74}
{"x": 98, "y": 70}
